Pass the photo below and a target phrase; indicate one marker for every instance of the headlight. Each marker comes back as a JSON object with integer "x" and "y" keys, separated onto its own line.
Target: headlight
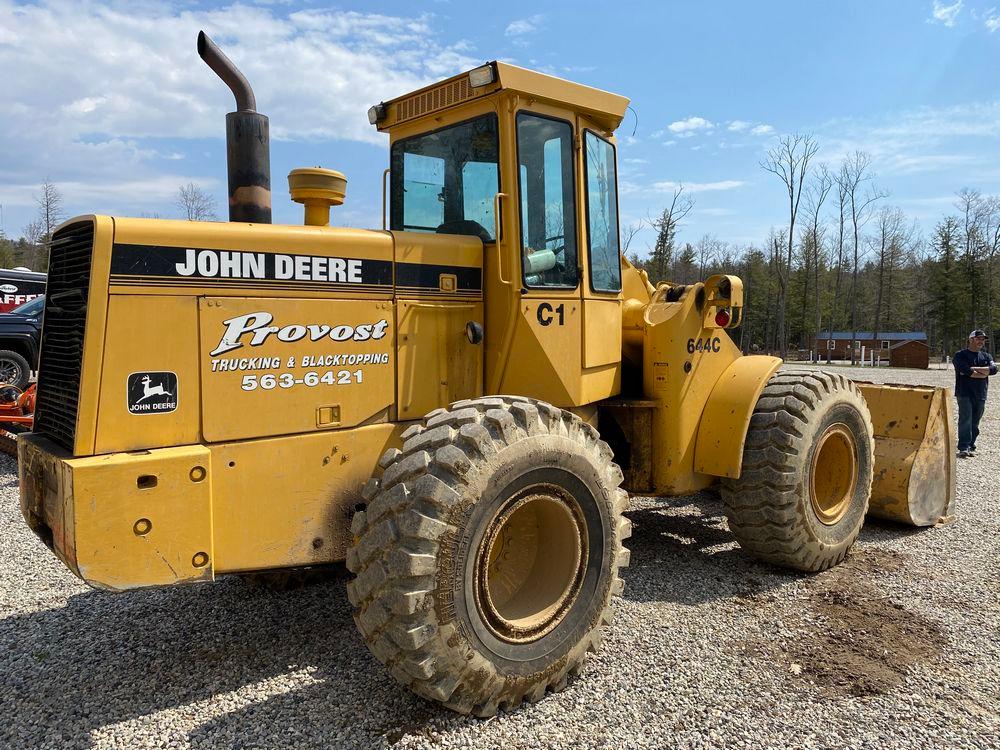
{"x": 376, "y": 113}
{"x": 481, "y": 76}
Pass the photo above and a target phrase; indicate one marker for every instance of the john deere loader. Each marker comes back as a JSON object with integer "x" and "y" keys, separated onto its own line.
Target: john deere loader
{"x": 458, "y": 404}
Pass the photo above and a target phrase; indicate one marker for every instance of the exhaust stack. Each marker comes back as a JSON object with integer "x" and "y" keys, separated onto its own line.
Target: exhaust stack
{"x": 248, "y": 153}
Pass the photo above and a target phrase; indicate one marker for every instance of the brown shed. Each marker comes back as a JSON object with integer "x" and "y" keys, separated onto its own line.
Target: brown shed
{"x": 914, "y": 354}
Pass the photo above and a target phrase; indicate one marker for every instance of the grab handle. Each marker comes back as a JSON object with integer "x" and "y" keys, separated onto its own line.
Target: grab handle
{"x": 497, "y": 224}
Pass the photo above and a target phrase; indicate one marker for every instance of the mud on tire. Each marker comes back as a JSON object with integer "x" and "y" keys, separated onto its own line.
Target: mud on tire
{"x": 807, "y": 471}
{"x": 488, "y": 485}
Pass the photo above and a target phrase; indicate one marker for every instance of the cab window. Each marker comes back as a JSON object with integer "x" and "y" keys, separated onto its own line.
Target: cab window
{"x": 445, "y": 181}
{"x": 548, "y": 209}
{"x": 602, "y": 214}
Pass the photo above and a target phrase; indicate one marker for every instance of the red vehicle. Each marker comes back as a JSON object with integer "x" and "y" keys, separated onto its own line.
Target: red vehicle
{"x": 19, "y": 285}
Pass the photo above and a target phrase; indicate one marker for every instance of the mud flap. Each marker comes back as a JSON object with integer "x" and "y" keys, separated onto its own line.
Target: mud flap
{"x": 914, "y": 453}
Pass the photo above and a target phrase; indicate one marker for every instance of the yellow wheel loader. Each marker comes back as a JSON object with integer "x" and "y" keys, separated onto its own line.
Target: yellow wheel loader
{"x": 457, "y": 405}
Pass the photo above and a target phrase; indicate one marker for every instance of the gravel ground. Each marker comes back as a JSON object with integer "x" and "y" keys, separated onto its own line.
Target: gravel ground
{"x": 898, "y": 647}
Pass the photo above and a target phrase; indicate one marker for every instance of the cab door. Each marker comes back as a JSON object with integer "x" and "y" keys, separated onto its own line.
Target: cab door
{"x": 546, "y": 353}
{"x": 602, "y": 296}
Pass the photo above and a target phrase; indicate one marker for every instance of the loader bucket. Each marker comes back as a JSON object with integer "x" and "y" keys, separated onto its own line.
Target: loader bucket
{"x": 914, "y": 479}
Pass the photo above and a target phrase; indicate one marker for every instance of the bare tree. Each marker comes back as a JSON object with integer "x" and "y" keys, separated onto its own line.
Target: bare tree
{"x": 817, "y": 194}
{"x": 789, "y": 161}
{"x": 709, "y": 250}
{"x": 628, "y": 234}
{"x": 50, "y": 215}
{"x": 195, "y": 204}
{"x": 662, "y": 257}
{"x": 855, "y": 182}
{"x": 842, "y": 211}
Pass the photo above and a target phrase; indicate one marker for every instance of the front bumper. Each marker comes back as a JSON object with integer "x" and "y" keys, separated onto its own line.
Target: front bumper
{"x": 124, "y": 520}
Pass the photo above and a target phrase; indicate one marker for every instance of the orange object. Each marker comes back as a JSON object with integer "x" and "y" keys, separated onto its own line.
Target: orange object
{"x": 17, "y": 414}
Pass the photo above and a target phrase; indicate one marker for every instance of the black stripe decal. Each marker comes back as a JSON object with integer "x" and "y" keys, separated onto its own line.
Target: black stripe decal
{"x": 214, "y": 265}
{"x": 161, "y": 265}
{"x": 240, "y": 283}
{"x": 428, "y": 276}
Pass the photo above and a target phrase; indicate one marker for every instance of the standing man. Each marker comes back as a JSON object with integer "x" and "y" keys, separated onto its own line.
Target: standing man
{"x": 973, "y": 367}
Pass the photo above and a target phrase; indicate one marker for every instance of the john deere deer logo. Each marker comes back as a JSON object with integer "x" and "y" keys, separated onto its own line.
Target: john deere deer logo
{"x": 152, "y": 392}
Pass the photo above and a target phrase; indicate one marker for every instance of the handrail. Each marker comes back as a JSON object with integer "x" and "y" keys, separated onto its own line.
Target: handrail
{"x": 497, "y": 225}
{"x": 384, "y": 175}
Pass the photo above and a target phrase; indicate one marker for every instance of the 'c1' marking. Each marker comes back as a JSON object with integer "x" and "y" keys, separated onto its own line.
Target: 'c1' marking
{"x": 545, "y": 314}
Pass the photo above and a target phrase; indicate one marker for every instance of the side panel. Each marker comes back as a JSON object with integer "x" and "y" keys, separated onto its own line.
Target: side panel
{"x": 288, "y": 501}
{"x": 437, "y": 364}
{"x": 544, "y": 358}
{"x": 438, "y": 265}
{"x": 602, "y": 332}
{"x": 273, "y": 367}
{"x": 151, "y": 334}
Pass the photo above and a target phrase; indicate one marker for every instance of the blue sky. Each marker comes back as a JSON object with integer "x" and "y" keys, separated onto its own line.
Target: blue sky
{"x": 110, "y": 102}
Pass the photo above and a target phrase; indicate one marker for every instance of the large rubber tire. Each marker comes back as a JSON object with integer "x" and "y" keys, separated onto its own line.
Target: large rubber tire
{"x": 796, "y": 462}
{"x": 439, "y": 503}
{"x": 14, "y": 369}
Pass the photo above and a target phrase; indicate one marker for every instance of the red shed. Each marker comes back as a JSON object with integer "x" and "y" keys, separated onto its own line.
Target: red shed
{"x": 914, "y": 354}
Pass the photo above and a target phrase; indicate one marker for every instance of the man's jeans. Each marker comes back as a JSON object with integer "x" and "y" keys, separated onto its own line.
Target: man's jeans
{"x": 970, "y": 411}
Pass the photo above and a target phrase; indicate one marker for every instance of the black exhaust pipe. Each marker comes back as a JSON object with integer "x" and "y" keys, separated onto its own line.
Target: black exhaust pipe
{"x": 248, "y": 151}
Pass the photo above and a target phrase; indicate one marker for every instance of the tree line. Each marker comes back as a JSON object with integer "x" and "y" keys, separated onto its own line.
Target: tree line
{"x": 846, "y": 260}
{"x": 31, "y": 248}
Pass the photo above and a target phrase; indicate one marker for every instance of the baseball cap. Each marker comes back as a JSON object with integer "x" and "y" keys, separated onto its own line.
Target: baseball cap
{"x": 977, "y": 333}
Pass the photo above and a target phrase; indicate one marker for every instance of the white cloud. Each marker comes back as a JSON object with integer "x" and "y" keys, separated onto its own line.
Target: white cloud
{"x": 523, "y": 26}
{"x": 737, "y": 126}
{"x": 923, "y": 140}
{"x": 945, "y": 14}
{"x": 88, "y": 84}
{"x": 689, "y": 126}
{"x": 637, "y": 161}
{"x": 992, "y": 20}
{"x": 762, "y": 130}
{"x": 697, "y": 187}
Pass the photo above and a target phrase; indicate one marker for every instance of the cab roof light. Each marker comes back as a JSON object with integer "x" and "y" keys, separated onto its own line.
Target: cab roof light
{"x": 482, "y": 76}
{"x": 376, "y": 113}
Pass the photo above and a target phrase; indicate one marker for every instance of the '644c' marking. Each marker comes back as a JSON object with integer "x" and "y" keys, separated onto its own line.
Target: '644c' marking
{"x": 709, "y": 345}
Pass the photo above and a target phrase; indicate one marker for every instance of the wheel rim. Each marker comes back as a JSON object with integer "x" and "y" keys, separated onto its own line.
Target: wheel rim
{"x": 10, "y": 372}
{"x": 531, "y": 563}
{"x": 834, "y": 474}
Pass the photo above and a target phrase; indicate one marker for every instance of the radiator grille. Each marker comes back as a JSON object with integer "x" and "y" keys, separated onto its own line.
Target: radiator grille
{"x": 61, "y": 357}
{"x": 437, "y": 98}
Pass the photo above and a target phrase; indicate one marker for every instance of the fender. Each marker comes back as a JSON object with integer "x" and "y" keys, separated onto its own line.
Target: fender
{"x": 726, "y": 418}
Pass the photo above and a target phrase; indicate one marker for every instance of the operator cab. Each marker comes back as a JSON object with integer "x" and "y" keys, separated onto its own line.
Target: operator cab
{"x": 525, "y": 162}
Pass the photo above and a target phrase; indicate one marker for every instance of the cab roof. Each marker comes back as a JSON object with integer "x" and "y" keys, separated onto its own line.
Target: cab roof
{"x": 605, "y": 108}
